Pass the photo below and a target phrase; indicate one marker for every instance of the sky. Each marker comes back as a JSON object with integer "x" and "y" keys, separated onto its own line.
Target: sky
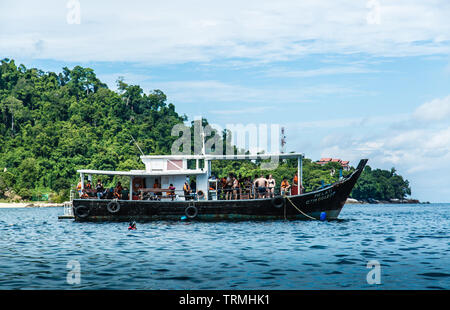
{"x": 348, "y": 79}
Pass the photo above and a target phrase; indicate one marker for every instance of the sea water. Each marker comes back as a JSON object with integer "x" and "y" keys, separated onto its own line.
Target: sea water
{"x": 370, "y": 247}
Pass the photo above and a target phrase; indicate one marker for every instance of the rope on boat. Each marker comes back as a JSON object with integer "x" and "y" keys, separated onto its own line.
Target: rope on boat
{"x": 310, "y": 217}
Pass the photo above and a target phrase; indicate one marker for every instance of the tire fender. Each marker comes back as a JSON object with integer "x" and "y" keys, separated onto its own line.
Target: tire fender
{"x": 278, "y": 202}
{"x": 191, "y": 212}
{"x": 81, "y": 211}
{"x": 113, "y": 206}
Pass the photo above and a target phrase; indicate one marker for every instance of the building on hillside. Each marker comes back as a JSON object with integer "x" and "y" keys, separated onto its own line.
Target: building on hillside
{"x": 344, "y": 163}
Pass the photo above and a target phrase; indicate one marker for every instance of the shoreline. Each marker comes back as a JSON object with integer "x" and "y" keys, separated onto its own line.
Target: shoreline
{"x": 12, "y": 205}
{"x": 393, "y": 201}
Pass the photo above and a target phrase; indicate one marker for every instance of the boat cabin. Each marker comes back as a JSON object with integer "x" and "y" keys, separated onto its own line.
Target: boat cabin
{"x": 176, "y": 170}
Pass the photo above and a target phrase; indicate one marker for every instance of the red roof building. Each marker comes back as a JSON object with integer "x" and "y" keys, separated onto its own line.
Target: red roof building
{"x": 344, "y": 163}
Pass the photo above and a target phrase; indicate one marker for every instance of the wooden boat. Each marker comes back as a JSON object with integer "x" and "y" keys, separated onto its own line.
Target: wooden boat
{"x": 326, "y": 202}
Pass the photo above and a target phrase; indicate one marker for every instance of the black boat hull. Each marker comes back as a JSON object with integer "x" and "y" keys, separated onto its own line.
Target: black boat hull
{"x": 306, "y": 206}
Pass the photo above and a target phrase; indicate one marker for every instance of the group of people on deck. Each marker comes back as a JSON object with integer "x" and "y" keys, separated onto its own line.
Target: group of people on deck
{"x": 117, "y": 192}
{"x": 99, "y": 190}
{"x": 235, "y": 187}
{"x": 232, "y": 187}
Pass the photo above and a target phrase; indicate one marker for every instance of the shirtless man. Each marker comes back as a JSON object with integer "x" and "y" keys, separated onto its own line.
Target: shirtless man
{"x": 260, "y": 186}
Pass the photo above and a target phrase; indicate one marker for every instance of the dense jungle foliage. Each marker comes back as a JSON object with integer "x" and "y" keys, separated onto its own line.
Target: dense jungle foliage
{"x": 55, "y": 123}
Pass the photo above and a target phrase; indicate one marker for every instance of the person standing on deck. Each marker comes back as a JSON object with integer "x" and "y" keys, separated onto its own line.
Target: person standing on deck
{"x": 235, "y": 187}
{"x": 295, "y": 183}
{"x": 79, "y": 189}
{"x": 187, "y": 191}
{"x": 285, "y": 186}
{"x": 247, "y": 187}
{"x": 271, "y": 186}
{"x": 241, "y": 181}
{"x": 228, "y": 187}
{"x": 119, "y": 188}
{"x": 193, "y": 186}
{"x": 99, "y": 189}
{"x": 260, "y": 186}
{"x": 255, "y": 189}
{"x": 222, "y": 185}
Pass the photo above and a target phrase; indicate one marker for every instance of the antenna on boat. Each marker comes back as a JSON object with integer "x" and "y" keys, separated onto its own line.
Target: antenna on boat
{"x": 137, "y": 145}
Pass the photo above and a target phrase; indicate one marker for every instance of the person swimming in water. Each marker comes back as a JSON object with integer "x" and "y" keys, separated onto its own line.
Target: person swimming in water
{"x": 132, "y": 226}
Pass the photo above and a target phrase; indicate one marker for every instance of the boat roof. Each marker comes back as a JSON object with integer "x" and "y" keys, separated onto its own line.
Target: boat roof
{"x": 139, "y": 173}
{"x": 166, "y": 172}
{"x": 227, "y": 157}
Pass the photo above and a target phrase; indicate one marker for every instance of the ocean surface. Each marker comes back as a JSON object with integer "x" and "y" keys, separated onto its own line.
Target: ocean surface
{"x": 411, "y": 243}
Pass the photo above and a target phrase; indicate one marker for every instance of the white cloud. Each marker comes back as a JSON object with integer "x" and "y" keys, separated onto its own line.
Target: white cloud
{"x": 413, "y": 150}
{"x": 247, "y": 110}
{"x": 435, "y": 110}
{"x": 213, "y": 91}
{"x": 318, "y": 72}
{"x": 183, "y": 31}
{"x": 418, "y": 152}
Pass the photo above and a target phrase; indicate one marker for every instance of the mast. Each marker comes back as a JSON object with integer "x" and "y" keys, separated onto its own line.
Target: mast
{"x": 300, "y": 173}
{"x": 283, "y": 140}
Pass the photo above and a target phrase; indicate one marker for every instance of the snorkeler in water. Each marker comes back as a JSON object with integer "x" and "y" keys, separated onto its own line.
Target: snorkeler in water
{"x": 132, "y": 226}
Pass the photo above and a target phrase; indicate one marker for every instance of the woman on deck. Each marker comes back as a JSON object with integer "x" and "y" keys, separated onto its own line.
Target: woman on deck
{"x": 228, "y": 187}
{"x": 235, "y": 187}
{"x": 271, "y": 186}
{"x": 248, "y": 187}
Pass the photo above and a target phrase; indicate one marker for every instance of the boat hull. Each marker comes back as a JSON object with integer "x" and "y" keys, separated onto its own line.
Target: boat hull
{"x": 306, "y": 206}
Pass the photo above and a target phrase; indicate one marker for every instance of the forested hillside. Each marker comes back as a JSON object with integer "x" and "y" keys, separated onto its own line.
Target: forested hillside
{"x": 55, "y": 123}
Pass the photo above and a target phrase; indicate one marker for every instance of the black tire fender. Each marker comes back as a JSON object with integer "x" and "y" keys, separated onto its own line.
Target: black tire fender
{"x": 191, "y": 212}
{"x": 81, "y": 211}
{"x": 113, "y": 206}
{"x": 278, "y": 202}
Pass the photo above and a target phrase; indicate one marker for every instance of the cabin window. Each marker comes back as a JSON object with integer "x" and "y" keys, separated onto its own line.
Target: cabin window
{"x": 191, "y": 164}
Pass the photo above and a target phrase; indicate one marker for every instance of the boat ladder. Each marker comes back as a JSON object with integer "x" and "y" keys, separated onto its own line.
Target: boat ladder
{"x": 68, "y": 208}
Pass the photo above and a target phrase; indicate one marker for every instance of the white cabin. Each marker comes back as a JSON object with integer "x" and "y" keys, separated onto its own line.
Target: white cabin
{"x": 176, "y": 169}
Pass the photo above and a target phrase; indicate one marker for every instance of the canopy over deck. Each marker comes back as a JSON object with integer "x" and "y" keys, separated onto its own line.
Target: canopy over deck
{"x": 226, "y": 157}
{"x": 139, "y": 173}
{"x": 177, "y": 169}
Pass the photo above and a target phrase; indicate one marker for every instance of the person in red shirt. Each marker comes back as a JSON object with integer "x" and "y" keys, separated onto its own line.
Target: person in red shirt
{"x": 172, "y": 191}
{"x": 295, "y": 183}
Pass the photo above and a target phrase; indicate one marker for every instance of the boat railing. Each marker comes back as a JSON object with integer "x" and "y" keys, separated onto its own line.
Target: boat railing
{"x": 68, "y": 208}
{"x": 72, "y": 195}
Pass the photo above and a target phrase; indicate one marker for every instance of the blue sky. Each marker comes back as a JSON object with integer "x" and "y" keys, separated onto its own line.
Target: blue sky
{"x": 348, "y": 79}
